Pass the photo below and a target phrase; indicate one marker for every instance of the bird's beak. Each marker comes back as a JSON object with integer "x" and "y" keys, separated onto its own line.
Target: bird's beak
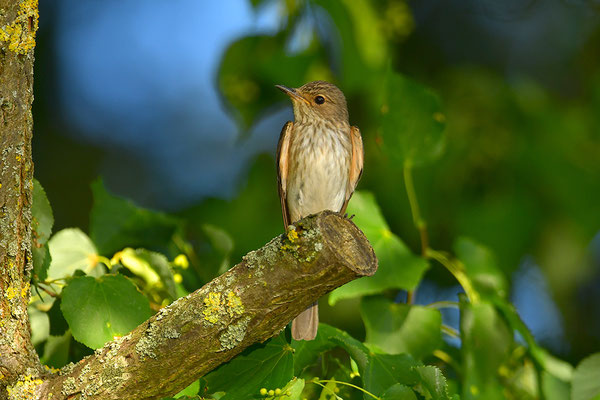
{"x": 294, "y": 95}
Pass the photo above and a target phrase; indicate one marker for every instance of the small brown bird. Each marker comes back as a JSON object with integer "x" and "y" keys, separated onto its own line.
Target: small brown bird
{"x": 319, "y": 163}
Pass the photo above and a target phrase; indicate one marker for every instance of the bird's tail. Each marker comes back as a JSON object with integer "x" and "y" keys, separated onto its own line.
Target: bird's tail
{"x": 304, "y": 326}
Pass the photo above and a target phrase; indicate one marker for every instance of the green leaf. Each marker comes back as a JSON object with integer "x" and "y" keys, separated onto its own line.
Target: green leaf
{"x": 269, "y": 365}
{"x": 184, "y": 397}
{"x": 554, "y": 388}
{"x": 328, "y": 337}
{"x": 43, "y": 219}
{"x": 191, "y": 390}
{"x": 586, "y": 385}
{"x": 486, "y": 344}
{"x": 368, "y": 35}
{"x": 356, "y": 72}
{"x": 291, "y": 391}
{"x": 401, "y": 328}
{"x": 152, "y": 267}
{"x": 71, "y": 250}
{"x": 398, "y": 267}
{"x": 56, "y": 351}
{"x": 58, "y": 324}
{"x": 554, "y": 366}
{"x": 116, "y": 223}
{"x": 385, "y": 370}
{"x": 432, "y": 383}
{"x": 40, "y": 325}
{"x": 41, "y": 261}
{"x": 412, "y": 122}
{"x": 481, "y": 267}
{"x": 100, "y": 309}
{"x": 398, "y": 392}
{"x": 222, "y": 244}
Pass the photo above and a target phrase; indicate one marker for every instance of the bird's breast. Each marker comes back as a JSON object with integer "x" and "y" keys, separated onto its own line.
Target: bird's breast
{"x": 319, "y": 165}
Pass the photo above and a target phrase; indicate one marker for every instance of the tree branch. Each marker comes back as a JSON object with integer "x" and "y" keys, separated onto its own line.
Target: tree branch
{"x": 250, "y": 303}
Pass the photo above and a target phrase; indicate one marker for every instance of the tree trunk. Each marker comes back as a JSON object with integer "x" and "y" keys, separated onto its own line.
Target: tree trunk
{"x": 18, "y": 23}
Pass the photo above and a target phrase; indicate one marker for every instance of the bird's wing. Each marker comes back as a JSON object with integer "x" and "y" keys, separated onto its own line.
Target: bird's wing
{"x": 356, "y": 164}
{"x": 283, "y": 148}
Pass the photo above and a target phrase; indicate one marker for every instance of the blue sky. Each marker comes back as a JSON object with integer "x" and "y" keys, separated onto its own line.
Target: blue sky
{"x": 138, "y": 79}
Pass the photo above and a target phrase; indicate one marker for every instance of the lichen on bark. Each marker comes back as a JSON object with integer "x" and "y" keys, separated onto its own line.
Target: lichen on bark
{"x": 18, "y": 359}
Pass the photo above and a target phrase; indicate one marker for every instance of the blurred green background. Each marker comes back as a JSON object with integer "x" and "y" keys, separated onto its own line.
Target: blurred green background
{"x": 172, "y": 103}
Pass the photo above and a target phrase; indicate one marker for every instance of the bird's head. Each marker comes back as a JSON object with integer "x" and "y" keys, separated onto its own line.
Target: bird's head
{"x": 318, "y": 100}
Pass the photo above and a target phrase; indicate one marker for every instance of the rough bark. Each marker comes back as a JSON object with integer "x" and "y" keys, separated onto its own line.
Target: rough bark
{"x": 250, "y": 303}
{"x": 18, "y": 22}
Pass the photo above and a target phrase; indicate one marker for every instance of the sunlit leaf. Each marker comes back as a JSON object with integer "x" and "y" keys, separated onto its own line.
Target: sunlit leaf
{"x": 191, "y": 390}
{"x": 401, "y": 328}
{"x": 40, "y": 325}
{"x": 116, "y": 223}
{"x": 269, "y": 365}
{"x": 398, "y": 267}
{"x": 293, "y": 390}
{"x": 370, "y": 42}
{"x": 554, "y": 388}
{"x": 412, "y": 122}
{"x": 586, "y": 385}
{"x": 100, "y": 309}
{"x": 152, "y": 267}
{"x": 71, "y": 249}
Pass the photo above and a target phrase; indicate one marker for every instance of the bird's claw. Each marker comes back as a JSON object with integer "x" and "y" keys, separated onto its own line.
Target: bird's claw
{"x": 348, "y": 217}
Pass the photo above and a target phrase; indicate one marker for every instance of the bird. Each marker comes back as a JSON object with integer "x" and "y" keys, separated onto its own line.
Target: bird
{"x": 319, "y": 163}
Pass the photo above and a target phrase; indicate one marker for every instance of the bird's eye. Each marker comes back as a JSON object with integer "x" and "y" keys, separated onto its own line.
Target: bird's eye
{"x": 319, "y": 99}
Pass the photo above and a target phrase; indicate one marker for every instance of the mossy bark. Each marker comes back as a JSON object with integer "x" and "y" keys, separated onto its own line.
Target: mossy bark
{"x": 250, "y": 303}
{"x": 17, "y": 356}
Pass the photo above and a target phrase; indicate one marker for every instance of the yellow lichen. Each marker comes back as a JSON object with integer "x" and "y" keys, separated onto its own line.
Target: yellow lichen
{"x": 25, "y": 290}
{"x": 20, "y": 34}
{"x": 24, "y": 388}
{"x": 234, "y": 304}
{"x": 52, "y": 370}
{"x": 218, "y": 306}
{"x": 213, "y": 304}
{"x": 292, "y": 235}
{"x": 11, "y": 293}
